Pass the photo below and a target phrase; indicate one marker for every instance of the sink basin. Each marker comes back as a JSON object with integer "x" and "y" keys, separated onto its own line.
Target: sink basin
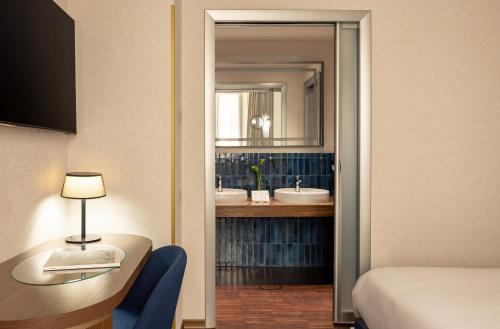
{"x": 306, "y": 195}
{"x": 230, "y": 195}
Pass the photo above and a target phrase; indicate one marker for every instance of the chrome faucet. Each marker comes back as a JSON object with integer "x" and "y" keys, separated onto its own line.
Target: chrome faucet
{"x": 297, "y": 183}
{"x": 219, "y": 187}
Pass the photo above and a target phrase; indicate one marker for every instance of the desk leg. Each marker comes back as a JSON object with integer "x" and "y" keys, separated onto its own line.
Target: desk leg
{"x": 105, "y": 322}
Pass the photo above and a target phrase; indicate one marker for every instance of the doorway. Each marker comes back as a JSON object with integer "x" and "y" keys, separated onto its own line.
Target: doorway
{"x": 351, "y": 228}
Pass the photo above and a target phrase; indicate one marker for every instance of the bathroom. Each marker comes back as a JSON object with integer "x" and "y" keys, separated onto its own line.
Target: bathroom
{"x": 274, "y": 173}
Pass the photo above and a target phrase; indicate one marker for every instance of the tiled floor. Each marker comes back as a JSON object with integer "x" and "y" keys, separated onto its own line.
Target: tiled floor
{"x": 291, "y": 307}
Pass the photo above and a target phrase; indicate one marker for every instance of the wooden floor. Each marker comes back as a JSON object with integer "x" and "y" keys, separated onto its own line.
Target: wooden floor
{"x": 266, "y": 307}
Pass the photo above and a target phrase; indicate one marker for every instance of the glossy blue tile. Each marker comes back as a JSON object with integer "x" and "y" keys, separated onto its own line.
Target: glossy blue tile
{"x": 290, "y": 254}
{"x": 296, "y": 230}
{"x": 301, "y": 232}
{"x": 289, "y": 232}
{"x": 244, "y": 254}
{"x": 267, "y": 254}
{"x": 240, "y": 242}
{"x": 274, "y": 254}
{"x": 262, "y": 260}
{"x": 317, "y": 254}
{"x": 305, "y": 231}
{"x": 289, "y": 166}
{"x": 279, "y": 255}
{"x": 267, "y": 232}
{"x": 301, "y": 254}
{"x": 283, "y": 231}
{"x": 307, "y": 255}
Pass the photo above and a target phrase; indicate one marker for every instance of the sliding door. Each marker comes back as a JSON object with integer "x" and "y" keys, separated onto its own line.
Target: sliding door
{"x": 346, "y": 170}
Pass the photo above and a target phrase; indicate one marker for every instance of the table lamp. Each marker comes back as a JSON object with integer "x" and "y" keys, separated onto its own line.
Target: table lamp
{"x": 83, "y": 186}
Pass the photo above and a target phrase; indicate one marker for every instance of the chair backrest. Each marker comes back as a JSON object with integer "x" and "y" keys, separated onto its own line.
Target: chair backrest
{"x": 155, "y": 293}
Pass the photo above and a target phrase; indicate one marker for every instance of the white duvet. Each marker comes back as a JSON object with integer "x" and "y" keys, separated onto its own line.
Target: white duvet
{"x": 429, "y": 298}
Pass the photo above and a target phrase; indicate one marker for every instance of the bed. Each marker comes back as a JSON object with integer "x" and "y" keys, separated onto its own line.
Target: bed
{"x": 428, "y": 298}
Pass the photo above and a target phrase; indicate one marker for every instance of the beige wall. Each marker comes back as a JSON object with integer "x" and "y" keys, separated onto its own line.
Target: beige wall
{"x": 123, "y": 109}
{"x": 123, "y": 98}
{"x": 436, "y": 131}
{"x": 32, "y": 168}
{"x": 63, "y": 4}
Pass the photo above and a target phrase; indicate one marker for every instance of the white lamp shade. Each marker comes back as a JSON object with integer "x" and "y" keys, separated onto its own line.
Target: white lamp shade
{"x": 83, "y": 185}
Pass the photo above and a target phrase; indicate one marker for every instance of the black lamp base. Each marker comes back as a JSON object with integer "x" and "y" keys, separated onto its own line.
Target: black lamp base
{"x": 79, "y": 239}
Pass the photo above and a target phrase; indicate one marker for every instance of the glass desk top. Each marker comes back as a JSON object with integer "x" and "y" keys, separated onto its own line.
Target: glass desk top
{"x": 30, "y": 271}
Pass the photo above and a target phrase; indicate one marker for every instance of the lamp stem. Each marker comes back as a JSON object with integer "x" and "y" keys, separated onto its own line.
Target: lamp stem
{"x": 83, "y": 220}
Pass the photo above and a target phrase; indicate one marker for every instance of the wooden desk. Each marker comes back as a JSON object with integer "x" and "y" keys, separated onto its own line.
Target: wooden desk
{"x": 84, "y": 304}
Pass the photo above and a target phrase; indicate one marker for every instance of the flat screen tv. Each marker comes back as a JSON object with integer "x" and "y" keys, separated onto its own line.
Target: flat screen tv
{"x": 37, "y": 65}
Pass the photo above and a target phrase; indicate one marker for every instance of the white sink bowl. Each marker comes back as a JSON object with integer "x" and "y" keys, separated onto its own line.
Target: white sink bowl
{"x": 230, "y": 195}
{"x": 305, "y": 196}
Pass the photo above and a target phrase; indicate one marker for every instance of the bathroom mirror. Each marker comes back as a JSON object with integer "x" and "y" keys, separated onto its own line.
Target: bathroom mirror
{"x": 274, "y": 85}
{"x": 269, "y": 104}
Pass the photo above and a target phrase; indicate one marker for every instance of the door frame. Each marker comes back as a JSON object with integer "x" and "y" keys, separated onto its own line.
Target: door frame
{"x": 363, "y": 18}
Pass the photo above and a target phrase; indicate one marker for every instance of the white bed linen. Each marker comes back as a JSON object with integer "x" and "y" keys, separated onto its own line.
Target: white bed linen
{"x": 429, "y": 298}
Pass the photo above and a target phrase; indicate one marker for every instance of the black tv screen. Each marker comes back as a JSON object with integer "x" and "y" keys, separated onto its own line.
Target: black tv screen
{"x": 37, "y": 63}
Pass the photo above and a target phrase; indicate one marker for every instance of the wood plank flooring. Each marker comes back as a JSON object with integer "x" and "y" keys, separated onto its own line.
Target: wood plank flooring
{"x": 266, "y": 307}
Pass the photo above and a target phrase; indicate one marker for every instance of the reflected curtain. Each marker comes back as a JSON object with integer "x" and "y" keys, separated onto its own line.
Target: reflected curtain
{"x": 260, "y": 103}
{"x": 312, "y": 99}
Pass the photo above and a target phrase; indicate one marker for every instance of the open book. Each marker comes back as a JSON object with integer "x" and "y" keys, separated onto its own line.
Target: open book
{"x": 62, "y": 260}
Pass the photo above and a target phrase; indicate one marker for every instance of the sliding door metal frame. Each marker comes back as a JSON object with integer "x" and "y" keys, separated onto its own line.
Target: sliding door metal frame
{"x": 365, "y": 143}
{"x": 337, "y": 264}
{"x": 301, "y": 17}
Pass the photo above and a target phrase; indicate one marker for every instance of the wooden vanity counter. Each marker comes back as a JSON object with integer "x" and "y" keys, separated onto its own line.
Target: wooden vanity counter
{"x": 275, "y": 209}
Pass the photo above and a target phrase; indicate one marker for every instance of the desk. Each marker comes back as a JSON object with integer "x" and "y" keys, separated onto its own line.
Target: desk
{"x": 84, "y": 304}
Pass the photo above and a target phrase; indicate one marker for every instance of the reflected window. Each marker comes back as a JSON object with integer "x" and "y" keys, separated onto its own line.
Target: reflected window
{"x": 229, "y": 107}
{"x": 245, "y": 114}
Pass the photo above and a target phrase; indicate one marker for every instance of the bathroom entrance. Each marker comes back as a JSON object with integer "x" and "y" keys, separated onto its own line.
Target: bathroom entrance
{"x": 282, "y": 226}
{"x": 274, "y": 138}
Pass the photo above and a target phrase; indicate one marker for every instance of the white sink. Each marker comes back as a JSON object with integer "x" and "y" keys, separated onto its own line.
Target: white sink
{"x": 230, "y": 195}
{"x": 306, "y": 195}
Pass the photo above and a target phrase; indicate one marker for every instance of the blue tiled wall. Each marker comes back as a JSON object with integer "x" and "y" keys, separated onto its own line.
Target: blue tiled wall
{"x": 283, "y": 242}
{"x": 279, "y": 171}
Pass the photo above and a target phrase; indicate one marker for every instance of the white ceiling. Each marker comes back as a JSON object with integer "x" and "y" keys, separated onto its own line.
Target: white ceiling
{"x": 274, "y": 32}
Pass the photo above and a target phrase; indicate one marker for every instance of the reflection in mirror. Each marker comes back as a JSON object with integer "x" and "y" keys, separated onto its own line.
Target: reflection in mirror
{"x": 246, "y": 113}
{"x": 257, "y": 121}
{"x": 262, "y": 105}
{"x": 275, "y": 85}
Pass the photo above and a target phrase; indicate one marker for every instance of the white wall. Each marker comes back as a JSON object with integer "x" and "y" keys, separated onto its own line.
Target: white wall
{"x": 32, "y": 168}
{"x": 123, "y": 98}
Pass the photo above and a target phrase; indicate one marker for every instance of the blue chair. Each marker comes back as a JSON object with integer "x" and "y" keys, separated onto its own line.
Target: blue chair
{"x": 151, "y": 302}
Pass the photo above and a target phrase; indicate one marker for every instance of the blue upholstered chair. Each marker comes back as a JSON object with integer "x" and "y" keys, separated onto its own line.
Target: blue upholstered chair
{"x": 151, "y": 302}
